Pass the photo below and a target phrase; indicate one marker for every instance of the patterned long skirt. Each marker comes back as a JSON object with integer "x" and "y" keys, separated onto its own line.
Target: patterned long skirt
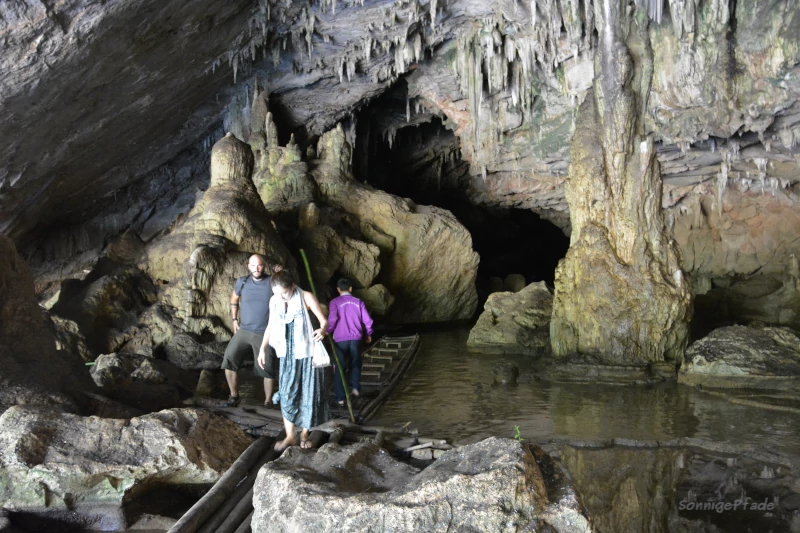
{"x": 303, "y": 388}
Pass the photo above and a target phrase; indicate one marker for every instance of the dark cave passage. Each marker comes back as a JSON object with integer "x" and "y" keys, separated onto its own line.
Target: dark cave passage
{"x": 417, "y": 157}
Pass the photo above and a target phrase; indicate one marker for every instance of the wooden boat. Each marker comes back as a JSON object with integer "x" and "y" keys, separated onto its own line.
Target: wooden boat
{"x": 383, "y": 365}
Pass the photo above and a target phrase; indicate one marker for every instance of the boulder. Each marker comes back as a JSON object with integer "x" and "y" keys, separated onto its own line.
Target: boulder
{"x": 31, "y": 369}
{"x": 329, "y": 253}
{"x": 84, "y": 468}
{"x": 377, "y": 298}
{"x": 199, "y": 261}
{"x": 429, "y": 258}
{"x": 185, "y": 350}
{"x": 495, "y": 284}
{"x": 141, "y": 382}
{"x": 514, "y": 283}
{"x": 514, "y": 322}
{"x": 744, "y": 357}
{"x": 493, "y": 485}
{"x": 108, "y": 300}
{"x": 156, "y": 328}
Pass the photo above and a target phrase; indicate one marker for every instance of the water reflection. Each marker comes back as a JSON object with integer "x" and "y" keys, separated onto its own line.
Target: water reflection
{"x": 451, "y": 393}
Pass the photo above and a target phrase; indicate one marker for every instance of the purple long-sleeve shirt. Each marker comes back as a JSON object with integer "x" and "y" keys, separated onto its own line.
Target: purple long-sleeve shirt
{"x": 348, "y": 319}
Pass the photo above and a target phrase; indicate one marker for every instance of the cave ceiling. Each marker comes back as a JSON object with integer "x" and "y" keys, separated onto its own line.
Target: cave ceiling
{"x": 96, "y": 94}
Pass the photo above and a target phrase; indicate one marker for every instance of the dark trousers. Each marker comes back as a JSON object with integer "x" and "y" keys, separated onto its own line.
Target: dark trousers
{"x": 349, "y": 354}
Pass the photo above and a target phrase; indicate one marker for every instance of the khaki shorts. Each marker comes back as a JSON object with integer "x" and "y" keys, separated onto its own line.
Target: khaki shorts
{"x": 245, "y": 343}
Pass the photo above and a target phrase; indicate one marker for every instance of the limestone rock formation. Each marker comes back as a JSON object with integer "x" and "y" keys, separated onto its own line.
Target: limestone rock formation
{"x": 69, "y": 338}
{"x": 621, "y": 294}
{"x": 280, "y": 174}
{"x": 31, "y": 370}
{"x": 329, "y": 253}
{"x": 87, "y": 467}
{"x": 185, "y": 350}
{"x": 744, "y": 357}
{"x": 140, "y": 382}
{"x": 430, "y": 266}
{"x": 105, "y": 303}
{"x": 514, "y": 322}
{"x": 494, "y": 485}
{"x": 201, "y": 258}
{"x": 377, "y": 298}
{"x": 155, "y": 330}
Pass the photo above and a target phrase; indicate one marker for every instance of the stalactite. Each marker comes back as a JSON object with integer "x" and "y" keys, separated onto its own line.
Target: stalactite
{"x": 433, "y": 14}
{"x": 722, "y": 183}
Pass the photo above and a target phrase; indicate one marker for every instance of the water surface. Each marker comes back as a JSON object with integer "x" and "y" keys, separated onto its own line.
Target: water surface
{"x": 450, "y": 393}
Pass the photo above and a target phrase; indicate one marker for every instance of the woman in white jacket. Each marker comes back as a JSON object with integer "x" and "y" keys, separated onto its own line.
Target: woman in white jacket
{"x": 302, "y": 387}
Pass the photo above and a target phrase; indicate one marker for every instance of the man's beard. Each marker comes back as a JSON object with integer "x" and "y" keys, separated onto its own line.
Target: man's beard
{"x": 257, "y": 275}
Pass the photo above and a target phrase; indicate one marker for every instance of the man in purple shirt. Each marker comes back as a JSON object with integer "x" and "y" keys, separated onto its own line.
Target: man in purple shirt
{"x": 349, "y": 322}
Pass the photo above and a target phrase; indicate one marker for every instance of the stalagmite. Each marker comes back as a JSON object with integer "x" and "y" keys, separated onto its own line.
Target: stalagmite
{"x": 621, "y": 261}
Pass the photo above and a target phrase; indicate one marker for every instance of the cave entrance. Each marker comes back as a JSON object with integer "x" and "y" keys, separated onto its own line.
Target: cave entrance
{"x": 415, "y": 156}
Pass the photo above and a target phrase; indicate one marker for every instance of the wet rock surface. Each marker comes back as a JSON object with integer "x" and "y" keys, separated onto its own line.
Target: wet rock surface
{"x": 82, "y": 469}
{"x": 744, "y": 357}
{"x": 514, "y": 322}
{"x": 494, "y": 485}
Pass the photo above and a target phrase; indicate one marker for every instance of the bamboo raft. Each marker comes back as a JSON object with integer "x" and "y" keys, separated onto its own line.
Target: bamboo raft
{"x": 383, "y": 365}
{"x": 228, "y": 506}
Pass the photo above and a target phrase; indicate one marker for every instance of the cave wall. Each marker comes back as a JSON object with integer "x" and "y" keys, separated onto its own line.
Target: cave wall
{"x": 506, "y": 79}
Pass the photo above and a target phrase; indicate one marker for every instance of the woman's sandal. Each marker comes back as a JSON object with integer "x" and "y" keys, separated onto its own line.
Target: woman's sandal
{"x": 306, "y": 444}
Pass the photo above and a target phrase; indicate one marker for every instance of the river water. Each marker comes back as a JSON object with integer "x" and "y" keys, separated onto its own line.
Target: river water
{"x": 450, "y": 393}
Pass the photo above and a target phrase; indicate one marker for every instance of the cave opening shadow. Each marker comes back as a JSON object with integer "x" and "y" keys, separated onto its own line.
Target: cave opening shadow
{"x": 422, "y": 162}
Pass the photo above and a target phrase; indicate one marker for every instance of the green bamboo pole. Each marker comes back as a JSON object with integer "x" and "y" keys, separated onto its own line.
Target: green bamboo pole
{"x": 333, "y": 348}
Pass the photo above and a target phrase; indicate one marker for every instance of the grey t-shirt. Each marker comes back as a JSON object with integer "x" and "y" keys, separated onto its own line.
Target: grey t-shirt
{"x": 254, "y": 298}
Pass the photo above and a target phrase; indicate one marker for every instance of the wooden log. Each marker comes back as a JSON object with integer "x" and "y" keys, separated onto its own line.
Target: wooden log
{"x": 246, "y": 526}
{"x": 205, "y": 506}
{"x": 243, "y": 509}
{"x": 421, "y": 446}
{"x": 335, "y": 436}
{"x": 424, "y": 455}
{"x": 262, "y": 432}
{"x": 400, "y": 444}
{"x": 318, "y": 438}
{"x": 435, "y": 442}
{"x": 247, "y": 483}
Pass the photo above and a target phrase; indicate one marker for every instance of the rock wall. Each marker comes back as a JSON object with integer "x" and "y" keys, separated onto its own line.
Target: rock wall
{"x": 427, "y": 259}
{"x": 32, "y": 371}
